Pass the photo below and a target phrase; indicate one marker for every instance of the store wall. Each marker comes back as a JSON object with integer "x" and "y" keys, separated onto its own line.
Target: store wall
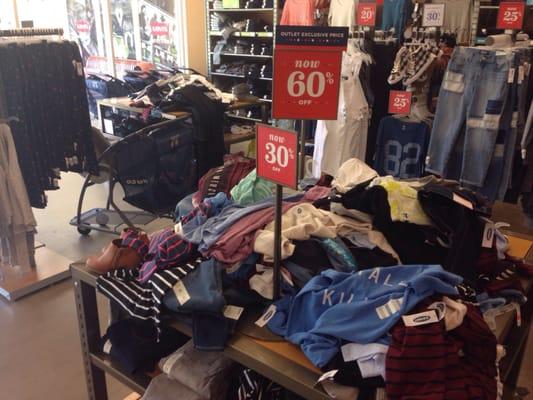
{"x": 196, "y": 39}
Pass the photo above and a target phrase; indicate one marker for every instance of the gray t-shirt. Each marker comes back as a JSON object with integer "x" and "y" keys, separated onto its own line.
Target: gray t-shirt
{"x": 457, "y": 15}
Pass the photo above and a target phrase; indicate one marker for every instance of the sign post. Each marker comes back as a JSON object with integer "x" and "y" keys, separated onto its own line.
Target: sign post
{"x": 277, "y": 161}
{"x": 306, "y": 81}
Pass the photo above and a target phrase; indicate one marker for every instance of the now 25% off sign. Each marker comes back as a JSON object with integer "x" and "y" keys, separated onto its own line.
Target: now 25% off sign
{"x": 307, "y": 67}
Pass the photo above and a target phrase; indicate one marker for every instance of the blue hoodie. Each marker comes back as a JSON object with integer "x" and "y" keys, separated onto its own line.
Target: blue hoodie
{"x": 356, "y": 307}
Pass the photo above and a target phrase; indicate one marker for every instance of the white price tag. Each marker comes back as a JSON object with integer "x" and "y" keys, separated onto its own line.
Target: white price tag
{"x": 423, "y": 318}
{"x": 181, "y": 292}
{"x": 233, "y": 312}
{"x": 328, "y": 375}
{"x": 461, "y": 200}
{"x": 107, "y": 347}
{"x": 521, "y": 74}
{"x": 267, "y": 316}
{"x": 510, "y": 77}
{"x": 433, "y": 15}
{"x": 108, "y": 126}
{"x": 488, "y": 235}
{"x": 178, "y": 229}
{"x": 527, "y": 68}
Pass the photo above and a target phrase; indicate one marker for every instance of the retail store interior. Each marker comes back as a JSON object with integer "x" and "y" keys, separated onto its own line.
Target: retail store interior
{"x": 266, "y": 199}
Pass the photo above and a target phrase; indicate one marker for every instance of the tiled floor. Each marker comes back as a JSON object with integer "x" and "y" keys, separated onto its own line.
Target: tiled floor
{"x": 40, "y": 356}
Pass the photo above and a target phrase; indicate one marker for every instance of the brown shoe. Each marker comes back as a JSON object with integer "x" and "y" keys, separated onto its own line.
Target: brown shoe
{"x": 114, "y": 256}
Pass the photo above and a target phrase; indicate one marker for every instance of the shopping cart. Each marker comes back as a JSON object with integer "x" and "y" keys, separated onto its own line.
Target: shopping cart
{"x": 156, "y": 167}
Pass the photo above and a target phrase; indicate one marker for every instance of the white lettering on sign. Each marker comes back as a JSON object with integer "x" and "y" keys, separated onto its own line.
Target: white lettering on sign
{"x": 306, "y": 64}
{"x": 276, "y": 138}
{"x": 511, "y": 15}
{"x": 312, "y": 85}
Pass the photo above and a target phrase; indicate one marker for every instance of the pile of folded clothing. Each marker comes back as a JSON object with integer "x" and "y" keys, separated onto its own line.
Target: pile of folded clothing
{"x": 378, "y": 276}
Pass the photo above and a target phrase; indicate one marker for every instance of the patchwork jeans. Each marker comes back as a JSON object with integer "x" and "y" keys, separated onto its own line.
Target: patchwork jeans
{"x": 474, "y": 90}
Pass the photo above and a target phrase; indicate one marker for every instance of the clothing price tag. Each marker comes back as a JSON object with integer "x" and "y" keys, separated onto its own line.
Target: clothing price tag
{"x": 423, "y": 318}
{"x": 433, "y": 15}
{"x": 181, "y": 292}
{"x": 276, "y": 155}
{"x": 462, "y": 201}
{"x": 488, "y": 235}
{"x": 178, "y": 229}
{"x": 366, "y": 14}
{"x": 107, "y": 347}
{"x": 440, "y": 308}
{"x": 510, "y": 15}
{"x": 267, "y": 316}
{"x": 328, "y": 375}
{"x": 510, "y": 77}
{"x": 233, "y": 312}
{"x": 399, "y": 102}
{"x": 307, "y": 68}
{"x": 521, "y": 74}
{"x": 108, "y": 126}
{"x": 527, "y": 68}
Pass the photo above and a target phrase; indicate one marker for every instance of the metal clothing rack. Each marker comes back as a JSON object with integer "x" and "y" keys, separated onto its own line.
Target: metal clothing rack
{"x": 31, "y": 32}
{"x": 48, "y": 267}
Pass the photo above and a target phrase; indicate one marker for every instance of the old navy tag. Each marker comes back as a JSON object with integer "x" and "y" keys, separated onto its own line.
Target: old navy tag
{"x": 423, "y": 318}
{"x": 267, "y": 316}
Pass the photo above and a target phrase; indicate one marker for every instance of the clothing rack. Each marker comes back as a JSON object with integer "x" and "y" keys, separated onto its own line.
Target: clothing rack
{"x": 45, "y": 267}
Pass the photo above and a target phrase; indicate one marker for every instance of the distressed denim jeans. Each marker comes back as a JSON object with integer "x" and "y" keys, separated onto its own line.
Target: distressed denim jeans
{"x": 473, "y": 93}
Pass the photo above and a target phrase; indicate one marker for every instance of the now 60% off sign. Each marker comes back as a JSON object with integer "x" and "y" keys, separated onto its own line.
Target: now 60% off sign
{"x": 307, "y": 66}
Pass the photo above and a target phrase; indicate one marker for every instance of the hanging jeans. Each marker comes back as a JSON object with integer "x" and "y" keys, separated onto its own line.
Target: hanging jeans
{"x": 475, "y": 88}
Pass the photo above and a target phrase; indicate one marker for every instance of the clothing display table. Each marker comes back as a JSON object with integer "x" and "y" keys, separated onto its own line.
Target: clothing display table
{"x": 279, "y": 361}
{"x": 123, "y": 103}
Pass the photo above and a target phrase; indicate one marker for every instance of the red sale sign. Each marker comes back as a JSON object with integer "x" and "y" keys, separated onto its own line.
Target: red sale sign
{"x": 366, "y": 14}
{"x": 307, "y": 66}
{"x": 511, "y": 15}
{"x": 277, "y": 151}
{"x": 399, "y": 102}
{"x": 159, "y": 28}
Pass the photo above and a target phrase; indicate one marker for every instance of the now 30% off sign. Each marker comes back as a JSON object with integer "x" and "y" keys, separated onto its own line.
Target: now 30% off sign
{"x": 277, "y": 151}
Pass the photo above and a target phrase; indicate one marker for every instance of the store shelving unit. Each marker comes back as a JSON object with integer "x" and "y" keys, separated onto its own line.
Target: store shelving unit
{"x": 226, "y": 80}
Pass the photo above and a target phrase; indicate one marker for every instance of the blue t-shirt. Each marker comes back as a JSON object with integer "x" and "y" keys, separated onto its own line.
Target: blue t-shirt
{"x": 355, "y": 307}
{"x": 395, "y": 15}
{"x": 401, "y": 148}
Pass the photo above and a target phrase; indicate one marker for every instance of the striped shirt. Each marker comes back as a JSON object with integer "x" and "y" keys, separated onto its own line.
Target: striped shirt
{"x": 142, "y": 301}
{"x": 427, "y": 362}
